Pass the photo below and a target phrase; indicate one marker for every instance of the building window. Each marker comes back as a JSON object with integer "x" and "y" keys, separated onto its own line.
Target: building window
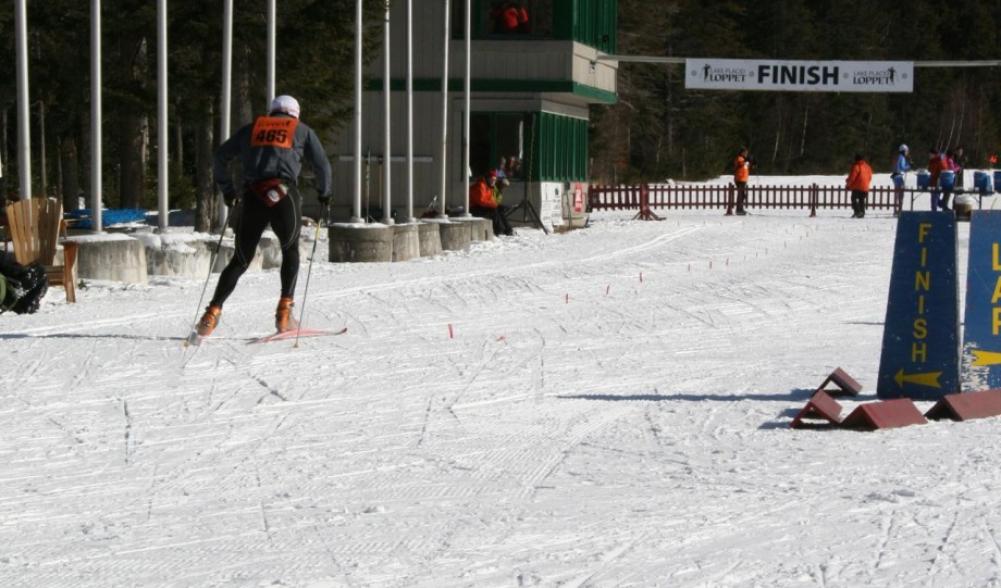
{"x": 591, "y": 22}
{"x": 541, "y": 145}
{"x": 498, "y": 143}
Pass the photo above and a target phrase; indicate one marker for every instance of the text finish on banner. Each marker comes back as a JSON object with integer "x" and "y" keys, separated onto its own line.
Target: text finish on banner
{"x": 920, "y": 355}
{"x": 982, "y": 333}
{"x": 799, "y": 76}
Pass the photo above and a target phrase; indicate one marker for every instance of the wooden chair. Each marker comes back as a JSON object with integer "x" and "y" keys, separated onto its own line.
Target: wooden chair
{"x": 34, "y": 227}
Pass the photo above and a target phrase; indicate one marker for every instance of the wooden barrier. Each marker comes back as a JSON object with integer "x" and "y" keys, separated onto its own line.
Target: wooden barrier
{"x": 647, "y": 197}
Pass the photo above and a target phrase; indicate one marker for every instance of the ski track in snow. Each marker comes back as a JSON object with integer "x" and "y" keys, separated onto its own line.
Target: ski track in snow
{"x": 612, "y": 411}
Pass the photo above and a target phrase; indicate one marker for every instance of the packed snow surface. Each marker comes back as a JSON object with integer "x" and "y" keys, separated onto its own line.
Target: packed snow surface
{"x": 612, "y": 409}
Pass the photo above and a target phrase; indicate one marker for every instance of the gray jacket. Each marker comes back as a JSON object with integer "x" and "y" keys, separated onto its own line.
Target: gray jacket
{"x": 264, "y": 160}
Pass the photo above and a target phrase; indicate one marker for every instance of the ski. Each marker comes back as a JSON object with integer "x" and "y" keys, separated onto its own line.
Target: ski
{"x": 293, "y": 333}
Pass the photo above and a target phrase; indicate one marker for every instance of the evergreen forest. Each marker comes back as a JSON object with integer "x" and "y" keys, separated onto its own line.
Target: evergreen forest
{"x": 660, "y": 130}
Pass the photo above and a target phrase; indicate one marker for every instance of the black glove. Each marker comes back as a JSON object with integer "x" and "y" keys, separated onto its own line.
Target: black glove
{"x": 230, "y": 198}
{"x": 324, "y": 200}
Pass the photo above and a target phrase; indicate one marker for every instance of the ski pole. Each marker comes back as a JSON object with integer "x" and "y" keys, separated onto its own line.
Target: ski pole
{"x": 309, "y": 272}
{"x": 212, "y": 258}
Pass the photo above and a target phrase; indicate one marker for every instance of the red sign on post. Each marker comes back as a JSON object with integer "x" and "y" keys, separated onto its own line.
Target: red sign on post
{"x": 578, "y": 198}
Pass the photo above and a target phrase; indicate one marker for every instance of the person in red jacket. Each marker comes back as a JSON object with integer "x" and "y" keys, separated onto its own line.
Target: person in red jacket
{"x": 485, "y": 202}
{"x": 859, "y": 180}
{"x": 935, "y": 166}
{"x": 741, "y": 173}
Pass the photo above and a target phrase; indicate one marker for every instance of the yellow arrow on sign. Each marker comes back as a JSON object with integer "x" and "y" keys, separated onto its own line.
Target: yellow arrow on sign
{"x": 929, "y": 379}
{"x": 983, "y": 358}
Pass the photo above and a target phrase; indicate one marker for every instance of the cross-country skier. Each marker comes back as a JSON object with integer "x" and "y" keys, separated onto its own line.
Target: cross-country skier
{"x": 271, "y": 152}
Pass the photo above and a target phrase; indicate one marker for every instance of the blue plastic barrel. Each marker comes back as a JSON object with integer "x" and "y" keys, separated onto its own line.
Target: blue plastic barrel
{"x": 997, "y": 181}
{"x": 947, "y": 179}
{"x": 982, "y": 182}
{"x": 924, "y": 180}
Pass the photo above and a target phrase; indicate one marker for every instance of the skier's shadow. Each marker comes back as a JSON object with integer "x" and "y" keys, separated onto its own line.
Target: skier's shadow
{"x": 795, "y": 394}
{"x": 781, "y": 421}
{"x": 130, "y": 337}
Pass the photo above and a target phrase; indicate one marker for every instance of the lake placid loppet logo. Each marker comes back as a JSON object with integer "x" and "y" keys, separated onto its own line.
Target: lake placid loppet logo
{"x": 725, "y": 74}
{"x": 885, "y": 77}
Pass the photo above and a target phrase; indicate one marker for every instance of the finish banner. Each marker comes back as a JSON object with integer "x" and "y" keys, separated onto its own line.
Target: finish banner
{"x": 799, "y": 76}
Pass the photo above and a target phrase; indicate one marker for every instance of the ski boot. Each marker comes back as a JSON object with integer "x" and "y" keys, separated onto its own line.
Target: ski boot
{"x": 209, "y": 320}
{"x": 283, "y": 315}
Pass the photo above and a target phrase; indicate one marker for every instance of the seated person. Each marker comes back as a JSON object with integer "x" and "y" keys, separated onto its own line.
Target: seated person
{"x": 509, "y": 17}
{"x": 485, "y": 202}
{"x": 21, "y": 288}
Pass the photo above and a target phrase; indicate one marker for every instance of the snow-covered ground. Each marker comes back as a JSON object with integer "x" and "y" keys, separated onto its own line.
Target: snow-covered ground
{"x": 613, "y": 410}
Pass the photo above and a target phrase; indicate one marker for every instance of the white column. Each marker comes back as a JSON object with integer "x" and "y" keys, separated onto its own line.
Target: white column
{"x": 387, "y": 148}
{"x": 443, "y": 195}
{"x": 96, "y": 197}
{"x": 227, "y": 91}
{"x": 410, "y": 112}
{"x": 468, "y": 91}
{"x": 272, "y": 18}
{"x": 23, "y": 106}
{"x": 163, "y": 176}
{"x": 356, "y": 210}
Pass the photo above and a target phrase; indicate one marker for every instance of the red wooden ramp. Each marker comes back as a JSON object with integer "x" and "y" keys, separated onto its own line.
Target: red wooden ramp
{"x": 964, "y": 407}
{"x": 887, "y": 414}
{"x": 845, "y": 384}
{"x": 821, "y": 407}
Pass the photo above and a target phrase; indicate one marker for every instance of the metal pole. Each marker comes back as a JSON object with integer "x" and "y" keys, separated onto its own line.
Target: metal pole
{"x": 227, "y": 92}
{"x": 387, "y": 150}
{"x": 23, "y": 106}
{"x": 359, "y": 15}
{"x": 468, "y": 92}
{"x": 444, "y": 114}
{"x": 272, "y": 18}
{"x": 96, "y": 197}
{"x": 410, "y": 112}
{"x": 163, "y": 177}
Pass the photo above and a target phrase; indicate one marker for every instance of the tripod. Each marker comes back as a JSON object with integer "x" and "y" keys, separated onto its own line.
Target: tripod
{"x": 525, "y": 206}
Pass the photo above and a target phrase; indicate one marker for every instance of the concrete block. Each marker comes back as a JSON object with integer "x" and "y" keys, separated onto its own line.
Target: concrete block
{"x": 480, "y": 229}
{"x": 429, "y": 236}
{"x": 112, "y": 257}
{"x": 406, "y": 242}
{"x": 356, "y": 242}
{"x": 176, "y": 253}
{"x": 226, "y": 252}
{"x": 455, "y": 236}
{"x": 271, "y": 250}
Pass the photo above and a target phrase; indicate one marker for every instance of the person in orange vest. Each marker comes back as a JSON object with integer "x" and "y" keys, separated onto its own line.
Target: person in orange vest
{"x": 859, "y": 180}
{"x": 741, "y": 173}
{"x": 485, "y": 202}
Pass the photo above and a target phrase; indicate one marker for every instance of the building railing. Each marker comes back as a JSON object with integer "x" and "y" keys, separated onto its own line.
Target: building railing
{"x": 646, "y": 197}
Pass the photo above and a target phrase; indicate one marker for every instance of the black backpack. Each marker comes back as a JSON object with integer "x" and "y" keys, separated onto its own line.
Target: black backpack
{"x": 23, "y": 288}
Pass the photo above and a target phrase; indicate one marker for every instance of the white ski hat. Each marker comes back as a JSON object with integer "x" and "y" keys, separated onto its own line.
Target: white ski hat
{"x": 902, "y": 148}
{"x": 286, "y": 104}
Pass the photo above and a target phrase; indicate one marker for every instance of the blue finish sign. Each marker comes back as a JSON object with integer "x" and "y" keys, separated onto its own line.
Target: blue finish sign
{"x": 920, "y": 356}
{"x": 982, "y": 335}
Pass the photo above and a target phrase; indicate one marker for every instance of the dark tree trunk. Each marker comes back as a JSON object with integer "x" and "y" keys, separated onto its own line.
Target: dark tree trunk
{"x": 206, "y": 198}
{"x": 69, "y": 166}
{"x": 132, "y": 174}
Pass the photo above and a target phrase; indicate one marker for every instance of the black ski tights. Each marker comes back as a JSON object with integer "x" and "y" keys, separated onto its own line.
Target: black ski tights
{"x": 254, "y": 216}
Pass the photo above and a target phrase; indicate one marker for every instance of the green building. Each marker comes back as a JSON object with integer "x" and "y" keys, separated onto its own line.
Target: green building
{"x": 535, "y": 72}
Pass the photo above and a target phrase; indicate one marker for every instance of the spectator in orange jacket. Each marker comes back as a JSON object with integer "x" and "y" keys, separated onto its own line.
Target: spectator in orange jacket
{"x": 858, "y": 182}
{"x": 741, "y": 173}
{"x": 485, "y": 202}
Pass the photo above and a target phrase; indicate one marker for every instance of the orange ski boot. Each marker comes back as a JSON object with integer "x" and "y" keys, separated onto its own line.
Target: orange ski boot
{"x": 283, "y": 315}
{"x": 209, "y": 320}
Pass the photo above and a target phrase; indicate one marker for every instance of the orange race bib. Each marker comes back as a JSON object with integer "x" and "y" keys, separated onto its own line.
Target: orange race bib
{"x": 273, "y": 131}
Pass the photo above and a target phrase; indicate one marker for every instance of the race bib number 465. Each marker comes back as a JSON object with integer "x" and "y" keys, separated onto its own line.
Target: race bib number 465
{"x": 273, "y": 132}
